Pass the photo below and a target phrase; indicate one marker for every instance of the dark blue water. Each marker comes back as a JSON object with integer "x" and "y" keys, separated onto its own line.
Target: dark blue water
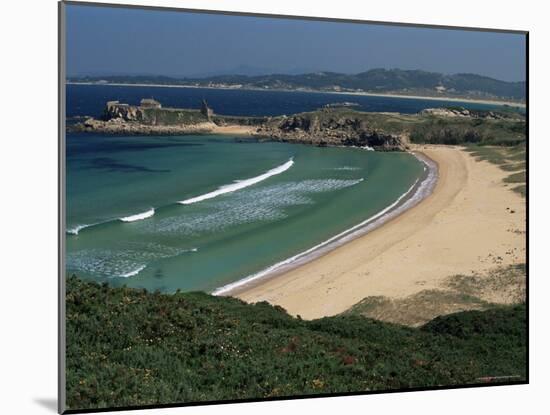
{"x": 89, "y": 100}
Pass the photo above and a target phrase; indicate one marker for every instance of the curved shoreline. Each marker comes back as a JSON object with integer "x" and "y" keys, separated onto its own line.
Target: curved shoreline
{"x": 421, "y": 189}
{"x": 472, "y": 223}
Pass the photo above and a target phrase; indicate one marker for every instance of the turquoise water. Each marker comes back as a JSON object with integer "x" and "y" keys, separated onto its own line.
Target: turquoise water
{"x": 247, "y": 206}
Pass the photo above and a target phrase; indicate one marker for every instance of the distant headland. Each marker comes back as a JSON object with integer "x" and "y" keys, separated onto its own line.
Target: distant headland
{"x": 380, "y": 82}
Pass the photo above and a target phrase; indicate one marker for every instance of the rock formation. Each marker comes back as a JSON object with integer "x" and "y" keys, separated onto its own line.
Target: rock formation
{"x": 331, "y": 129}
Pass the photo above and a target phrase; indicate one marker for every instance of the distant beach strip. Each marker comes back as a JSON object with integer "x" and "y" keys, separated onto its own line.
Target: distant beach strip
{"x": 350, "y": 93}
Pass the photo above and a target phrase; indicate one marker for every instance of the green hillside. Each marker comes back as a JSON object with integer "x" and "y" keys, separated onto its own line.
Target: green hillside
{"x": 131, "y": 347}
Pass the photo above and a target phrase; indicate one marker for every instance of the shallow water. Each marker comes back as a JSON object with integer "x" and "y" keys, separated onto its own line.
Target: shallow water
{"x": 246, "y": 205}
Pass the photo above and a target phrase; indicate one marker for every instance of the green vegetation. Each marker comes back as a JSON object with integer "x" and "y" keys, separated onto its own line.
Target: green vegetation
{"x": 510, "y": 159}
{"x": 167, "y": 116}
{"x": 131, "y": 347}
{"x": 240, "y": 120}
{"x": 516, "y": 178}
{"x": 461, "y": 130}
{"x": 499, "y": 155}
{"x": 521, "y": 189}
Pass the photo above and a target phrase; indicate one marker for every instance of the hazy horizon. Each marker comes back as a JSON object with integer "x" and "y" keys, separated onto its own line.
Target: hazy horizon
{"x": 258, "y": 73}
{"x": 108, "y": 41}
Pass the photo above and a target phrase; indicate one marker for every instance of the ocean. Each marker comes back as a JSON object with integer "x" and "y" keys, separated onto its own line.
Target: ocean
{"x": 203, "y": 212}
{"x": 89, "y": 100}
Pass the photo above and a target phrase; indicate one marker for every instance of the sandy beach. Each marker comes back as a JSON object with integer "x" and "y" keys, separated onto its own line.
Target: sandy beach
{"x": 233, "y": 129}
{"x": 472, "y": 222}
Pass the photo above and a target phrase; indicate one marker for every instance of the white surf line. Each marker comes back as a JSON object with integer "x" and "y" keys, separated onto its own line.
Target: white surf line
{"x": 138, "y": 216}
{"x": 422, "y": 191}
{"x": 241, "y": 184}
{"x": 75, "y": 229}
{"x": 134, "y": 272}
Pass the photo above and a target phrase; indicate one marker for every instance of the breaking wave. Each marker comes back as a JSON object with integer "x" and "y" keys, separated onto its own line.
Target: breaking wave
{"x": 138, "y": 216}
{"x": 75, "y": 229}
{"x": 240, "y": 184}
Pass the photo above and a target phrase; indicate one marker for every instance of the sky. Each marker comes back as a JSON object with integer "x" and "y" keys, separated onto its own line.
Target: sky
{"x": 122, "y": 41}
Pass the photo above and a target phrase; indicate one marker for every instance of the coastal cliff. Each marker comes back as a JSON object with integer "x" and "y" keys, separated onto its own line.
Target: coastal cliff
{"x": 334, "y": 125}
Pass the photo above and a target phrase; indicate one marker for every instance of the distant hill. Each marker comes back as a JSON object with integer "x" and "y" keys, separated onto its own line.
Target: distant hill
{"x": 396, "y": 81}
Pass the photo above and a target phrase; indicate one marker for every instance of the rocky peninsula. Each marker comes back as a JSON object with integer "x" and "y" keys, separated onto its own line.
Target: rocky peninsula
{"x": 331, "y": 125}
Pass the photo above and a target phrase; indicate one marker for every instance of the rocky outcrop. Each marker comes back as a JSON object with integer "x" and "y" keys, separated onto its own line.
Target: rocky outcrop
{"x": 121, "y": 126}
{"x": 115, "y": 110}
{"x": 463, "y": 112}
{"x": 153, "y": 115}
{"x": 331, "y": 129}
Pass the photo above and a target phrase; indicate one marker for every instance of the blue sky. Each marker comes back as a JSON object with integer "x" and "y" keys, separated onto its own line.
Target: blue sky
{"x": 104, "y": 40}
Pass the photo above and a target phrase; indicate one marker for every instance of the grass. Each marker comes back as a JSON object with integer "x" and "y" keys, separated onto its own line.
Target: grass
{"x": 130, "y": 347}
{"x": 495, "y": 155}
{"x": 240, "y": 120}
{"x": 443, "y": 130}
{"x": 516, "y": 178}
{"x": 521, "y": 189}
{"x": 510, "y": 159}
{"x": 503, "y": 284}
{"x": 514, "y": 166}
{"x": 167, "y": 116}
